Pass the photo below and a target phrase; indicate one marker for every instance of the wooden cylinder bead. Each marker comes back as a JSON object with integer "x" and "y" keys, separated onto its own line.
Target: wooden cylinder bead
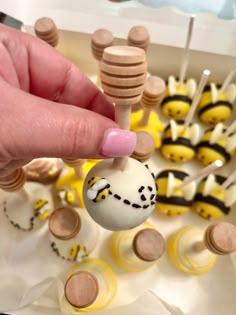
{"x": 100, "y": 39}
{"x": 139, "y": 37}
{"x": 220, "y": 238}
{"x": 13, "y": 182}
{"x": 77, "y": 164}
{"x": 145, "y": 146}
{"x": 149, "y": 244}
{"x": 81, "y": 289}
{"x": 64, "y": 223}
{"x": 46, "y": 29}
{"x": 153, "y": 94}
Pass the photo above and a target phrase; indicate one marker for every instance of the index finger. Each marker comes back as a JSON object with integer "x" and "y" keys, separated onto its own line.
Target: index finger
{"x": 50, "y": 75}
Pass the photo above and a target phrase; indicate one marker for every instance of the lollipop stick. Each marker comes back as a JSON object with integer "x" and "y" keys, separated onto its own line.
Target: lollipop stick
{"x": 196, "y": 98}
{"x": 24, "y": 194}
{"x": 122, "y": 117}
{"x": 199, "y": 247}
{"x": 202, "y": 173}
{"x": 185, "y": 60}
{"x": 228, "y": 79}
{"x": 229, "y": 180}
{"x": 230, "y": 129}
{"x": 145, "y": 117}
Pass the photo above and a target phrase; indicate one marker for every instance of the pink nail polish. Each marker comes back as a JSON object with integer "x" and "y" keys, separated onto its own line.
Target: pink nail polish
{"x": 118, "y": 142}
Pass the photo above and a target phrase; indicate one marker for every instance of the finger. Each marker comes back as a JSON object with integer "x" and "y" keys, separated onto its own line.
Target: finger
{"x": 42, "y": 128}
{"x": 44, "y": 72}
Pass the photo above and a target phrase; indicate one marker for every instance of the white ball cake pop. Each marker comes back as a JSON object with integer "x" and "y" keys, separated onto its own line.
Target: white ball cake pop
{"x": 119, "y": 200}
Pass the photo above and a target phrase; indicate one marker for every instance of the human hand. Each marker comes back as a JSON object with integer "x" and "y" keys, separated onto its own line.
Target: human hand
{"x": 49, "y": 108}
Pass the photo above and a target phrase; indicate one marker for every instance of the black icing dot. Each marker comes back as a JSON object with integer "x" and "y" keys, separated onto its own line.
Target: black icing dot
{"x": 149, "y": 188}
{"x": 143, "y": 198}
{"x": 127, "y": 202}
{"x": 103, "y": 196}
{"x": 117, "y": 197}
{"x": 145, "y": 206}
{"x": 135, "y": 205}
{"x": 152, "y": 196}
{"x": 152, "y": 203}
{"x": 141, "y": 189}
{"x": 110, "y": 193}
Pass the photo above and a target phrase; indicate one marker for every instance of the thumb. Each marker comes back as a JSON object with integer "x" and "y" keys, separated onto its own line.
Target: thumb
{"x": 33, "y": 127}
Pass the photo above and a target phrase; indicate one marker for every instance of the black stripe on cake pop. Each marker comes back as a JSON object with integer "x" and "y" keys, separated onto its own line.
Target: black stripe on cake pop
{"x": 219, "y": 179}
{"x": 216, "y": 147}
{"x": 214, "y": 105}
{"x": 173, "y": 200}
{"x": 212, "y": 201}
{"x": 179, "y": 141}
{"x": 177, "y": 174}
{"x": 176, "y": 97}
{"x": 207, "y": 87}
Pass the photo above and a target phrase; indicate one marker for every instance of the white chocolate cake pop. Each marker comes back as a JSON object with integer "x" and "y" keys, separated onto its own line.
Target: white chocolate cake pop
{"x": 43, "y": 170}
{"x": 91, "y": 285}
{"x": 120, "y": 194}
{"x": 119, "y": 200}
{"x": 73, "y": 234}
{"x": 27, "y": 205}
{"x": 138, "y": 249}
{"x": 194, "y": 251}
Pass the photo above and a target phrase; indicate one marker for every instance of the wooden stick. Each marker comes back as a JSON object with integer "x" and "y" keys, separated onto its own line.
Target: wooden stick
{"x": 230, "y": 129}
{"x": 145, "y": 117}
{"x": 229, "y": 180}
{"x": 199, "y": 247}
{"x": 185, "y": 59}
{"x": 228, "y": 79}
{"x": 196, "y": 98}
{"x": 202, "y": 173}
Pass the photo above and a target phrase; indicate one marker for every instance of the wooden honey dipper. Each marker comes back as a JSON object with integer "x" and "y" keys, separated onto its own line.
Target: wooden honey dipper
{"x": 46, "y": 29}
{"x": 123, "y": 74}
{"x": 77, "y": 164}
{"x": 153, "y": 94}
{"x": 145, "y": 146}
{"x": 100, "y": 39}
{"x": 15, "y": 182}
{"x": 139, "y": 37}
{"x": 195, "y": 252}
{"x": 219, "y": 238}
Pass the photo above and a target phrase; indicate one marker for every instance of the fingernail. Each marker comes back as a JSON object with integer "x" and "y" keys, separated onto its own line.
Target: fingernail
{"x": 118, "y": 142}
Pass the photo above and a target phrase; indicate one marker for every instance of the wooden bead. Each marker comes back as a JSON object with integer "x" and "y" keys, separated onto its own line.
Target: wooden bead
{"x": 14, "y": 181}
{"x": 154, "y": 91}
{"x": 46, "y": 29}
{"x": 129, "y": 63}
{"x": 149, "y": 244}
{"x": 64, "y": 223}
{"x": 139, "y": 37}
{"x": 81, "y": 289}
{"x": 220, "y": 238}
{"x": 145, "y": 146}
{"x": 101, "y": 39}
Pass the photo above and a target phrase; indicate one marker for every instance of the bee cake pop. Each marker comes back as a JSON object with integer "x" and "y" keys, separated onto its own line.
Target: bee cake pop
{"x": 217, "y": 143}
{"x": 27, "y": 205}
{"x": 176, "y": 189}
{"x": 179, "y": 94}
{"x": 171, "y": 200}
{"x": 69, "y": 185}
{"x": 195, "y": 252}
{"x": 120, "y": 194}
{"x": 138, "y": 249}
{"x": 91, "y": 285}
{"x": 216, "y": 103}
{"x": 214, "y": 198}
{"x": 45, "y": 29}
{"x": 73, "y": 234}
{"x": 147, "y": 119}
{"x": 180, "y": 137}
{"x": 43, "y": 170}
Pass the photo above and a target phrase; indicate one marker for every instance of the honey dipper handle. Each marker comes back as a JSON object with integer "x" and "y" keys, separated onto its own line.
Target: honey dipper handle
{"x": 199, "y": 247}
{"x": 145, "y": 117}
{"x": 122, "y": 117}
